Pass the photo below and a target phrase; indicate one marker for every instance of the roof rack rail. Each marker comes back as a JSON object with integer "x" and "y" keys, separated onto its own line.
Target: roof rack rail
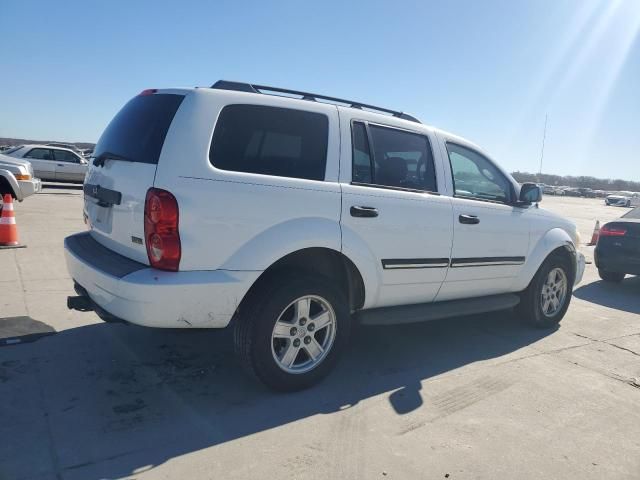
{"x": 314, "y": 97}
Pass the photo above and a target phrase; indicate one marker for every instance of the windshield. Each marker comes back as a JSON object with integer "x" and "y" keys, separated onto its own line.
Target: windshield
{"x": 11, "y": 150}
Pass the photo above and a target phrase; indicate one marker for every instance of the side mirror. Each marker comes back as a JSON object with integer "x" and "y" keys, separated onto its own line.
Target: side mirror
{"x": 530, "y": 193}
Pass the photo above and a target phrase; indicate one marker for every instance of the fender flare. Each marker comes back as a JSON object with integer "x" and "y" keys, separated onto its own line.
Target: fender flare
{"x": 358, "y": 251}
{"x": 550, "y": 241}
{"x": 269, "y": 246}
{"x": 13, "y": 183}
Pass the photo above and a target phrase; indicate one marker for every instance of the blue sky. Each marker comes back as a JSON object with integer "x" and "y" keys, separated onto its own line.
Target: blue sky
{"x": 487, "y": 70}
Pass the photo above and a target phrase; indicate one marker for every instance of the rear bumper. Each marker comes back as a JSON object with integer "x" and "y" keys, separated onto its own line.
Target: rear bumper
{"x": 29, "y": 187}
{"x": 618, "y": 263}
{"x": 154, "y": 298}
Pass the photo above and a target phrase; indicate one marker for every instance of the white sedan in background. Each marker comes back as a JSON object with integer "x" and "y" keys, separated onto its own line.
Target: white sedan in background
{"x": 620, "y": 200}
{"x": 53, "y": 164}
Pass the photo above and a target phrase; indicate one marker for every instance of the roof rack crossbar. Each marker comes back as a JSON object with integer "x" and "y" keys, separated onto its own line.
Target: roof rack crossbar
{"x": 252, "y": 88}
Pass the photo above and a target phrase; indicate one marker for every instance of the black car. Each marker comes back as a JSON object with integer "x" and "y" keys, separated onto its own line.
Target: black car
{"x": 618, "y": 249}
{"x": 587, "y": 193}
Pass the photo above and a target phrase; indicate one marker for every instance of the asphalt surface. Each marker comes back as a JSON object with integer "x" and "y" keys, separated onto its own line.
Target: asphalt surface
{"x": 464, "y": 398}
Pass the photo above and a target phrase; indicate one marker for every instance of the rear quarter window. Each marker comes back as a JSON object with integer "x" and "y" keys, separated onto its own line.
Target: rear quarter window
{"x": 271, "y": 141}
{"x": 138, "y": 131}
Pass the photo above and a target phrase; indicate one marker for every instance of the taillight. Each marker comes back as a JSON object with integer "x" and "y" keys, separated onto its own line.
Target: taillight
{"x": 161, "y": 230}
{"x": 610, "y": 231}
{"x": 148, "y": 91}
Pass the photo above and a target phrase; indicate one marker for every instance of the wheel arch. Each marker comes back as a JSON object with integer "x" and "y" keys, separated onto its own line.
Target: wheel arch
{"x": 8, "y": 184}
{"x": 320, "y": 261}
{"x": 555, "y": 242}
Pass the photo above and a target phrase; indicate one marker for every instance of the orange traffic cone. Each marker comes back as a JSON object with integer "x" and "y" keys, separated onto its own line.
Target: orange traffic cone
{"x": 8, "y": 227}
{"x": 596, "y": 234}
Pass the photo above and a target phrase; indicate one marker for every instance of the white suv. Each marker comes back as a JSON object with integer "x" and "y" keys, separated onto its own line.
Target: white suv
{"x": 291, "y": 218}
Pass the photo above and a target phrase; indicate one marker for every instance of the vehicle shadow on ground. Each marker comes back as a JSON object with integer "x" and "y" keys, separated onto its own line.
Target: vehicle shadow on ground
{"x": 623, "y": 296}
{"x": 121, "y": 398}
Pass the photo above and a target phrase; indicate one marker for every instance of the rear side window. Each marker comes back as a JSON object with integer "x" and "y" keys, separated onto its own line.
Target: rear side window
{"x": 271, "y": 141}
{"x": 401, "y": 159}
{"x": 138, "y": 131}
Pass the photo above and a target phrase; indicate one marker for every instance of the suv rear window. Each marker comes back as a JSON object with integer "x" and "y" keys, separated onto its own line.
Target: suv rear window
{"x": 138, "y": 131}
{"x": 271, "y": 141}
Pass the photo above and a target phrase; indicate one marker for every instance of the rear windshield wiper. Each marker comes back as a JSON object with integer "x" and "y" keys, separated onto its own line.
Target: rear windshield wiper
{"x": 103, "y": 157}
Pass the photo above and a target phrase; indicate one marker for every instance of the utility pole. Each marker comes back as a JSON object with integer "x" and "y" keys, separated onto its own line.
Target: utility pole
{"x": 544, "y": 136}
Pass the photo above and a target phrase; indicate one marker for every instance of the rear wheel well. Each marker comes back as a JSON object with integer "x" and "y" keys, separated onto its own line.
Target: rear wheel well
{"x": 319, "y": 261}
{"x": 5, "y": 187}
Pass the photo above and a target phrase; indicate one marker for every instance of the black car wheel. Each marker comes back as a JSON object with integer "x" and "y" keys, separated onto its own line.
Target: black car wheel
{"x": 614, "y": 277}
{"x": 291, "y": 330}
{"x": 546, "y": 300}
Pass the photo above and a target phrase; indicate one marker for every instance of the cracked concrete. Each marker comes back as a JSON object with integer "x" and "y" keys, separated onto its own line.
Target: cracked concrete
{"x": 475, "y": 397}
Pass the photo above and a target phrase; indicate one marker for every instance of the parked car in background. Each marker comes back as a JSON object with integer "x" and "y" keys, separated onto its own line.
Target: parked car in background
{"x": 53, "y": 164}
{"x": 572, "y": 192}
{"x": 617, "y": 252}
{"x": 297, "y": 218}
{"x": 587, "y": 193}
{"x": 16, "y": 178}
{"x": 548, "y": 190}
{"x": 618, "y": 200}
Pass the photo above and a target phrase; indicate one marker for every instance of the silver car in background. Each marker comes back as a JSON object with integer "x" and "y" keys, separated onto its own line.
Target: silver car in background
{"x": 17, "y": 178}
{"x": 53, "y": 164}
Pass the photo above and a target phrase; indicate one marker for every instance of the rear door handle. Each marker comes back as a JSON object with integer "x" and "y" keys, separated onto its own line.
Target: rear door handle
{"x": 366, "y": 212}
{"x": 60, "y": 165}
{"x": 469, "y": 219}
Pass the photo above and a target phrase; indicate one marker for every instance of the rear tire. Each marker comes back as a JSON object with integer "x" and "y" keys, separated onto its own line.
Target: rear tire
{"x": 613, "y": 277}
{"x": 279, "y": 318}
{"x": 546, "y": 300}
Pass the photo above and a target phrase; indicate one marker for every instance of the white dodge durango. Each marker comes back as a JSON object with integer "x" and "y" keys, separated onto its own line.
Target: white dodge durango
{"x": 290, "y": 215}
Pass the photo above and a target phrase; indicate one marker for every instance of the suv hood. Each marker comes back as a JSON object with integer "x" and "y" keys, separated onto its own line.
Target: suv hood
{"x": 7, "y": 160}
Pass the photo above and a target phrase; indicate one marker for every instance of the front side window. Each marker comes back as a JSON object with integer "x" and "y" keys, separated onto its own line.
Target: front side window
{"x": 474, "y": 176}
{"x": 39, "y": 154}
{"x": 65, "y": 156}
{"x": 395, "y": 158}
{"x": 271, "y": 141}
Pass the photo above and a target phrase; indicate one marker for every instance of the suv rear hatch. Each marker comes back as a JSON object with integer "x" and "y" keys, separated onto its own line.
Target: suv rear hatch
{"x": 123, "y": 169}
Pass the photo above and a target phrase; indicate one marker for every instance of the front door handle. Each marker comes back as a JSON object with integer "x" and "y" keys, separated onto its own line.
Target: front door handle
{"x": 366, "y": 212}
{"x": 469, "y": 219}
{"x": 60, "y": 165}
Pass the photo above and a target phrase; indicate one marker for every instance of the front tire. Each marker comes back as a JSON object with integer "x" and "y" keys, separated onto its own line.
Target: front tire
{"x": 546, "y": 300}
{"x": 291, "y": 330}
{"x": 614, "y": 277}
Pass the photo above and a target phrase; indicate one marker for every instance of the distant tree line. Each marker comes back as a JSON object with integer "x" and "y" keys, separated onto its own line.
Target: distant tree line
{"x": 578, "y": 182}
